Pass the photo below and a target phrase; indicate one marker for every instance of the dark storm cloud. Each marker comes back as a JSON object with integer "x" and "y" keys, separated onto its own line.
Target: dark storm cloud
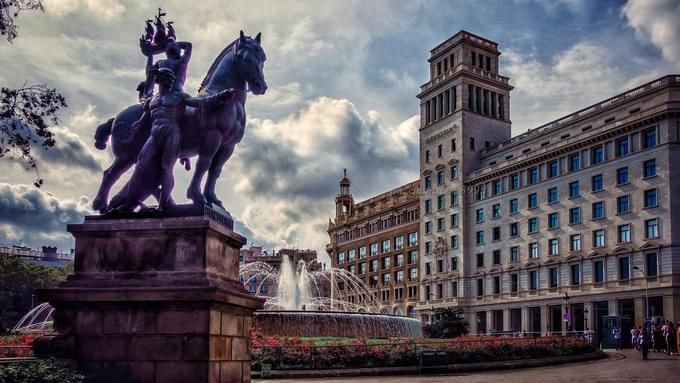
{"x": 69, "y": 151}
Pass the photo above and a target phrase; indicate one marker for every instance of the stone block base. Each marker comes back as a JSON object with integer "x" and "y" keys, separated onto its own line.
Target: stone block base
{"x": 150, "y": 321}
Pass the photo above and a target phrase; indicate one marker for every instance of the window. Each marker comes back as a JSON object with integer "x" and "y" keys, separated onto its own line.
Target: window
{"x": 533, "y": 176}
{"x": 480, "y": 215}
{"x": 497, "y": 187}
{"x": 480, "y": 287}
{"x": 428, "y": 183}
{"x": 598, "y": 271}
{"x": 362, "y": 252}
{"x": 575, "y": 216}
{"x": 598, "y": 238}
{"x": 496, "y": 257}
{"x": 427, "y": 156}
{"x": 454, "y": 263}
{"x": 428, "y": 269}
{"x": 496, "y": 210}
{"x": 386, "y": 279}
{"x": 514, "y": 254}
{"x": 386, "y": 246}
{"x": 453, "y": 140}
{"x": 649, "y": 168}
{"x": 514, "y": 283}
{"x": 412, "y": 257}
{"x": 472, "y": 144}
{"x": 454, "y": 289}
{"x": 624, "y": 268}
{"x": 439, "y": 151}
{"x": 575, "y": 274}
{"x": 399, "y": 260}
{"x": 553, "y": 220}
{"x": 454, "y": 172}
{"x": 597, "y": 155}
{"x": 440, "y": 177}
{"x": 413, "y": 238}
{"x": 552, "y": 195}
{"x": 622, "y": 176}
{"x": 553, "y": 277}
{"x": 598, "y": 210}
{"x": 553, "y": 169}
{"x": 428, "y": 247}
{"x": 454, "y": 241}
{"x": 651, "y": 265}
{"x": 428, "y": 227}
{"x": 514, "y": 229}
{"x": 622, "y": 147}
{"x": 441, "y": 223}
{"x": 574, "y": 189}
{"x": 496, "y": 234}
{"x": 440, "y": 266}
{"x": 651, "y": 228}
{"x": 624, "y": 233}
{"x": 481, "y": 192}
{"x": 554, "y": 246}
{"x": 574, "y": 162}
{"x": 441, "y": 202}
{"x": 480, "y": 259}
{"x": 597, "y": 183}
{"x": 341, "y": 257}
{"x": 532, "y": 201}
{"x": 454, "y": 220}
{"x": 514, "y": 206}
{"x": 649, "y": 138}
{"x": 480, "y": 237}
{"x": 399, "y": 243}
{"x": 351, "y": 255}
{"x": 533, "y": 280}
{"x": 575, "y": 242}
{"x": 533, "y": 250}
{"x": 514, "y": 182}
{"x": 386, "y": 263}
{"x": 428, "y": 206}
{"x": 533, "y": 225}
{"x": 374, "y": 249}
{"x": 650, "y": 198}
{"x": 454, "y": 198}
{"x": 623, "y": 204}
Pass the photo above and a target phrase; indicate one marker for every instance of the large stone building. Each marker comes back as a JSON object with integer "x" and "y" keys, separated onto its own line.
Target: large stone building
{"x": 377, "y": 240}
{"x": 543, "y": 232}
{"x": 556, "y": 227}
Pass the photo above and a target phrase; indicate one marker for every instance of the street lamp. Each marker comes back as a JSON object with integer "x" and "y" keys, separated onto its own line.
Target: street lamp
{"x": 646, "y": 291}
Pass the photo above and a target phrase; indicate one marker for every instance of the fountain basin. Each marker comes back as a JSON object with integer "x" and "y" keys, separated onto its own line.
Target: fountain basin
{"x": 335, "y": 324}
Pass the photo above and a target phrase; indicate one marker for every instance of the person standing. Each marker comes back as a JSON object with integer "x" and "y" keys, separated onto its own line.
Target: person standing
{"x": 672, "y": 339}
{"x": 643, "y": 343}
{"x": 617, "y": 337}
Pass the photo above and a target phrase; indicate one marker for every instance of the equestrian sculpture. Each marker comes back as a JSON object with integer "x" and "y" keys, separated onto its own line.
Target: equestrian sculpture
{"x": 208, "y": 126}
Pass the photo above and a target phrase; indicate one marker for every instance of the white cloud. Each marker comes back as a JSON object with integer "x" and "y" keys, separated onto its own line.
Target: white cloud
{"x": 108, "y": 11}
{"x": 657, "y": 22}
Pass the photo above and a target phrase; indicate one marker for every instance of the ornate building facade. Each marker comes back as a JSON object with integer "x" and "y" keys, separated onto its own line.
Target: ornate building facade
{"x": 257, "y": 254}
{"x": 377, "y": 240}
{"x": 557, "y": 227}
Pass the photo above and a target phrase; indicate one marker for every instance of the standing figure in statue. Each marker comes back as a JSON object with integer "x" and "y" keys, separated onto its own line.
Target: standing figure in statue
{"x": 160, "y": 152}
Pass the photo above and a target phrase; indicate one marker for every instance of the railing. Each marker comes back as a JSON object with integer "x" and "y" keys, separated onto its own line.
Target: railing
{"x": 461, "y": 67}
{"x": 406, "y": 352}
{"x": 671, "y": 79}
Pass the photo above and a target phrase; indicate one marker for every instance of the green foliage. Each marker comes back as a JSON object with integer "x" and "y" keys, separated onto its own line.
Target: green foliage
{"x": 450, "y": 324}
{"x": 18, "y": 281}
{"x": 41, "y": 371}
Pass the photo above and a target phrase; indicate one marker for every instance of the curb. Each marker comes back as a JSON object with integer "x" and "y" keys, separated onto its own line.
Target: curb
{"x": 413, "y": 370}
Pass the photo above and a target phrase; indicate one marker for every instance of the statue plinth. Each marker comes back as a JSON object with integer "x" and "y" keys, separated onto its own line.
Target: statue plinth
{"x": 154, "y": 300}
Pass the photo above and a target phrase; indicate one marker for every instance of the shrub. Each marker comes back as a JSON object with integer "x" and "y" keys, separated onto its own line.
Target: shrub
{"x": 40, "y": 371}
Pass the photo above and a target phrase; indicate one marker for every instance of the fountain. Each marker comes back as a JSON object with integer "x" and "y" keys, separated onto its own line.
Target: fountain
{"x": 316, "y": 303}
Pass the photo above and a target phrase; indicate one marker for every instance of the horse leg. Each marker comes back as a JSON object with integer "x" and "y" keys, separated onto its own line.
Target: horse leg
{"x": 206, "y": 153}
{"x": 218, "y": 162}
{"x": 119, "y": 166}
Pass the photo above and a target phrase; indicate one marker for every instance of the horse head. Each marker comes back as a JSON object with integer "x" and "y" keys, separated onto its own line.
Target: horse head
{"x": 249, "y": 62}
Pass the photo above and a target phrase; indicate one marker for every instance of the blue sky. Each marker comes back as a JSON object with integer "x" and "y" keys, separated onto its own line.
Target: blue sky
{"x": 342, "y": 76}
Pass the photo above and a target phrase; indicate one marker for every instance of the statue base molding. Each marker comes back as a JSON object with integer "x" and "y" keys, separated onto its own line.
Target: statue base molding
{"x": 154, "y": 300}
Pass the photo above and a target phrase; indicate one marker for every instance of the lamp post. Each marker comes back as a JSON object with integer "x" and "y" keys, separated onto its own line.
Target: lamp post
{"x": 646, "y": 291}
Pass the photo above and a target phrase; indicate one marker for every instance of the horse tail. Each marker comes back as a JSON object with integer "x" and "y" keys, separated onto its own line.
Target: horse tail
{"x": 101, "y": 136}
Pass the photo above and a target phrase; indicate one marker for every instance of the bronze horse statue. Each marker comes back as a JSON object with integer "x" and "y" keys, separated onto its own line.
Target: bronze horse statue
{"x": 212, "y": 135}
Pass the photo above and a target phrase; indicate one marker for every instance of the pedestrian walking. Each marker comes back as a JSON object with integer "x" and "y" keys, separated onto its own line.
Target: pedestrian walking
{"x": 664, "y": 332}
{"x": 643, "y": 343}
{"x": 672, "y": 339}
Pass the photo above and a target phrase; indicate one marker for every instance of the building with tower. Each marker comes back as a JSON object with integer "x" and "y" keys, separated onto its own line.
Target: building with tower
{"x": 545, "y": 232}
{"x": 377, "y": 240}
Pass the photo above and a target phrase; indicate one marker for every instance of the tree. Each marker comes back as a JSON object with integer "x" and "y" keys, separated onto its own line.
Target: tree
{"x": 9, "y": 10}
{"x": 450, "y": 323}
{"x": 25, "y": 115}
{"x": 18, "y": 281}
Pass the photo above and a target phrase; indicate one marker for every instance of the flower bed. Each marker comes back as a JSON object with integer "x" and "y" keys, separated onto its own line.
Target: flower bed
{"x": 16, "y": 346}
{"x": 282, "y": 353}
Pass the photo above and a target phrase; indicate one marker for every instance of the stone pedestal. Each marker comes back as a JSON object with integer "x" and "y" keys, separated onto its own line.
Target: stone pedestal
{"x": 154, "y": 300}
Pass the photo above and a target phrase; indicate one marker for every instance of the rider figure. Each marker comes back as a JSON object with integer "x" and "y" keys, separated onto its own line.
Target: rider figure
{"x": 161, "y": 149}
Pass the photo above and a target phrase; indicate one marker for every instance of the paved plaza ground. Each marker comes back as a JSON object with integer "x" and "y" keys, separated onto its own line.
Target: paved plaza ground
{"x": 618, "y": 367}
